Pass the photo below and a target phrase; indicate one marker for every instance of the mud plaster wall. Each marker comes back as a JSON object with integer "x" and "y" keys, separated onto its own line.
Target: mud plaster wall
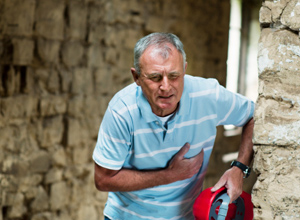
{"x": 60, "y": 63}
{"x": 277, "y": 118}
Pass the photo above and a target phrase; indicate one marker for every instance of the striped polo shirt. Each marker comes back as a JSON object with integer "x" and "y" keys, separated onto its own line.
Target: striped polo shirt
{"x": 131, "y": 136}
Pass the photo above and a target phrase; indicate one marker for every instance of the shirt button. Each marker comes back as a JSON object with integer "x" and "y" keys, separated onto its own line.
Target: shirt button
{"x": 157, "y": 123}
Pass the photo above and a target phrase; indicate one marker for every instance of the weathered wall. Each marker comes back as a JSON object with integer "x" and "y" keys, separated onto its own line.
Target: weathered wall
{"x": 60, "y": 63}
{"x": 277, "y": 119}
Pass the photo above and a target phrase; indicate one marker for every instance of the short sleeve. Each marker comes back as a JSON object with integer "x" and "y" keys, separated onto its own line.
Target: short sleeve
{"x": 114, "y": 141}
{"x": 233, "y": 108}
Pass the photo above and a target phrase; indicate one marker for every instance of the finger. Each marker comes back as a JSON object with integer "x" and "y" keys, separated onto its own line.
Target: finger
{"x": 218, "y": 185}
{"x": 200, "y": 155}
{"x": 231, "y": 196}
{"x": 183, "y": 150}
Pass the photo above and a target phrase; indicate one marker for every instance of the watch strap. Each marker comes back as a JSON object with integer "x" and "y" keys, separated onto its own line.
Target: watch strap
{"x": 245, "y": 169}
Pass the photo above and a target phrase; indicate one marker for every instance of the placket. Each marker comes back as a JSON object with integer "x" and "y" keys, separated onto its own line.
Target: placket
{"x": 168, "y": 136}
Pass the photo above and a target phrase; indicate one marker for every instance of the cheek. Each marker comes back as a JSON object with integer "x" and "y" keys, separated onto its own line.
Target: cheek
{"x": 153, "y": 88}
{"x": 150, "y": 90}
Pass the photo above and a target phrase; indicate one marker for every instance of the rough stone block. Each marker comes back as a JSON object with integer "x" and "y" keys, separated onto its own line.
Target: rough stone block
{"x": 66, "y": 79}
{"x": 109, "y": 13}
{"x": 47, "y": 81}
{"x": 103, "y": 80}
{"x": 41, "y": 79}
{"x": 82, "y": 81}
{"x": 40, "y": 162}
{"x": 18, "y": 17}
{"x": 9, "y": 78}
{"x": 18, "y": 209}
{"x": 265, "y": 15}
{"x": 96, "y": 32}
{"x": 121, "y": 12}
{"x": 15, "y": 167}
{"x": 276, "y": 122}
{"x": 76, "y": 106}
{"x": 22, "y": 51}
{"x": 54, "y": 175}
{"x": 287, "y": 92}
{"x": 87, "y": 212}
{"x": 52, "y": 105}
{"x": 6, "y": 142}
{"x": 95, "y": 56}
{"x": 53, "y": 84}
{"x": 59, "y": 196}
{"x": 291, "y": 15}
{"x": 77, "y": 12}
{"x": 277, "y": 8}
{"x": 51, "y": 131}
{"x": 41, "y": 200}
{"x": 268, "y": 200}
{"x": 43, "y": 216}
{"x": 19, "y": 106}
{"x": 154, "y": 23}
{"x": 64, "y": 215}
{"x": 77, "y": 133}
{"x": 48, "y": 50}
{"x": 72, "y": 53}
{"x": 92, "y": 115}
{"x": 132, "y": 36}
{"x": 279, "y": 53}
{"x": 81, "y": 155}
{"x": 111, "y": 36}
{"x": 59, "y": 157}
{"x": 50, "y": 19}
{"x": 111, "y": 55}
{"x": 126, "y": 62}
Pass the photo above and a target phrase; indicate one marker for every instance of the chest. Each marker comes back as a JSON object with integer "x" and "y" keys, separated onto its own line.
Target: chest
{"x": 154, "y": 145}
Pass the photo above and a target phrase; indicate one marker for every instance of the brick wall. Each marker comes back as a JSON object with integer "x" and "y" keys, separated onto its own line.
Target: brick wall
{"x": 277, "y": 120}
{"x": 60, "y": 63}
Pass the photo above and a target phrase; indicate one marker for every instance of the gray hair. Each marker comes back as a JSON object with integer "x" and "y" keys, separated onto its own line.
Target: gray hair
{"x": 159, "y": 40}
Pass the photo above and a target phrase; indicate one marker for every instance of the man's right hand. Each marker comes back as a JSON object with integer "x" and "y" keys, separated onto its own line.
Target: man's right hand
{"x": 181, "y": 168}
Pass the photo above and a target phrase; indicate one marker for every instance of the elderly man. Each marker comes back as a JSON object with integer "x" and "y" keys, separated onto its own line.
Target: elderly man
{"x": 157, "y": 135}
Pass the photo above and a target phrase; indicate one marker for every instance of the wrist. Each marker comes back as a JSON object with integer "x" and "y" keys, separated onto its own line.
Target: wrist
{"x": 237, "y": 171}
{"x": 244, "y": 169}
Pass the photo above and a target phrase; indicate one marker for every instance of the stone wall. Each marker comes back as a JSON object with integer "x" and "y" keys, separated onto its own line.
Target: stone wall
{"x": 277, "y": 118}
{"x": 60, "y": 63}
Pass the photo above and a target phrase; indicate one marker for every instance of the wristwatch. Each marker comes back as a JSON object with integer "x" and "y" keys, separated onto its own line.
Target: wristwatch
{"x": 246, "y": 170}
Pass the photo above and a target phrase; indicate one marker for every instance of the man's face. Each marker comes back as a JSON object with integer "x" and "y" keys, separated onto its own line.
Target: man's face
{"x": 161, "y": 79}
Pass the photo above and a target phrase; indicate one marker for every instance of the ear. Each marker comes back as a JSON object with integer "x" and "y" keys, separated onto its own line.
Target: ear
{"x": 135, "y": 76}
{"x": 185, "y": 67}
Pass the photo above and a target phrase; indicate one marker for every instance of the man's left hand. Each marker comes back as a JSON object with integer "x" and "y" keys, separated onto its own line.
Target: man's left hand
{"x": 232, "y": 179}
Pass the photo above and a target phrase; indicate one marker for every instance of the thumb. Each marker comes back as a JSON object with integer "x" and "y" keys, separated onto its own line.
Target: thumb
{"x": 183, "y": 150}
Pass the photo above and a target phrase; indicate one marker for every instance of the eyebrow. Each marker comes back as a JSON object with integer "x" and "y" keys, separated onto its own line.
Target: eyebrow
{"x": 170, "y": 73}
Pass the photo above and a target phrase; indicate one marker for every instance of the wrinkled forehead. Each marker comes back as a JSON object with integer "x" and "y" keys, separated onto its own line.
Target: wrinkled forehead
{"x": 162, "y": 50}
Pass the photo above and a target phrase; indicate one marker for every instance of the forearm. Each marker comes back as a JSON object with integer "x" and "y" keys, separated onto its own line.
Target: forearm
{"x": 232, "y": 179}
{"x": 245, "y": 155}
{"x": 131, "y": 180}
{"x": 179, "y": 168}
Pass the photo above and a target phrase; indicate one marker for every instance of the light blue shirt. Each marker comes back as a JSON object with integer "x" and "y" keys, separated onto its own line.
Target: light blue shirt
{"x": 131, "y": 136}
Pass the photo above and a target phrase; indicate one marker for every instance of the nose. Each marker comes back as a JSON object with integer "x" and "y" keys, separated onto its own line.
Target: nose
{"x": 165, "y": 84}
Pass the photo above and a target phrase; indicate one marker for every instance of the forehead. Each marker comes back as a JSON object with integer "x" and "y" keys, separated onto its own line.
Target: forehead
{"x": 160, "y": 55}
{"x": 163, "y": 50}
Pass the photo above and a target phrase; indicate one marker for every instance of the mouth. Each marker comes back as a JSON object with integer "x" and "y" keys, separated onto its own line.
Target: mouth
{"x": 165, "y": 97}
